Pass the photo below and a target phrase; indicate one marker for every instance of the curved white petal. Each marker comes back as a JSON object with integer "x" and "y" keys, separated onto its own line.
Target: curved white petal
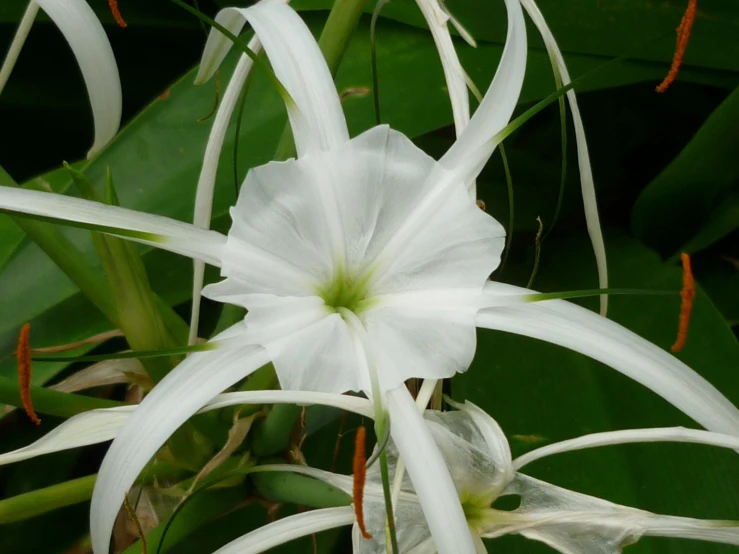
{"x": 103, "y": 425}
{"x": 497, "y": 444}
{"x": 86, "y": 36}
{"x": 207, "y": 180}
{"x": 24, "y": 27}
{"x": 178, "y": 396}
{"x": 574, "y": 523}
{"x": 629, "y": 436}
{"x": 316, "y": 117}
{"x": 155, "y": 230}
{"x": 289, "y": 528}
{"x": 354, "y": 404}
{"x": 473, "y": 148}
{"x": 583, "y": 331}
{"x": 454, "y": 74}
{"x": 429, "y": 474}
{"x": 81, "y": 430}
{"x": 583, "y": 157}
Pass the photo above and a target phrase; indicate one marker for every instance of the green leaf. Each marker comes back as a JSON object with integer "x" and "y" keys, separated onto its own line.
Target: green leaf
{"x": 680, "y": 202}
{"x": 644, "y": 29}
{"x": 542, "y": 393}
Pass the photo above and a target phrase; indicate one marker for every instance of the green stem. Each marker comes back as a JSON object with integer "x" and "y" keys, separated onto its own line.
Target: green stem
{"x": 34, "y": 503}
{"x": 51, "y": 402}
{"x": 341, "y": 22}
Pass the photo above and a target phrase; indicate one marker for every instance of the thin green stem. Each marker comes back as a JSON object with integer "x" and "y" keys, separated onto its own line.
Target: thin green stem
{"x": 509, "y": 186}
{"x": 537, "y": 252}
{"x": 41, "y": 501}
{"x": 373, "y": 59}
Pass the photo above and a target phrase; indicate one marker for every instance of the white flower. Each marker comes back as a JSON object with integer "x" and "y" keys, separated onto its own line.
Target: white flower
{"x": 479, "y": 459}
{"x": 87, "y": 39}
{"x": 362, "y": 263}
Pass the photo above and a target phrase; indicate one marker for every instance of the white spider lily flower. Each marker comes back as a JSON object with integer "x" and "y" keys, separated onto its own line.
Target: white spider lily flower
{"x": 89, "y": 43}
{"x": 362, "y": 263}
{"x": 479, "y": 459}
{"x": 457, "y": 81}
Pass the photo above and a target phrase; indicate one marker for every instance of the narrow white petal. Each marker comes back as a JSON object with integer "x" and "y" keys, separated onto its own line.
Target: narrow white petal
{"x": 177, "y": 397}
{"x": 316, "y": 117}
{"x": 108, "y": 372}
{"x": 354, "y": 404}
{"x": 726, "y": 532}
{"x": 24, "y": 27}
{"x": 207, "y": 180}
{"x": 581, "y": 330}
{"x": 289, "y": 528}
{"x": 474, "y": 147}
{"x": 574, "y": 523}
{"x": 83, "y": 429}
{"x": 155, "y": 230}
{"x": 86, "y": 36}
{"x": 454, "y": 74}
{"x": 629, "y": 436}
{"x": 429, "y": 475}
{"x": 583, "y": 157}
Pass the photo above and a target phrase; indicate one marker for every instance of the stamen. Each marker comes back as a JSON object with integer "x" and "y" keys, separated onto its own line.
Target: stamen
{"x": 360, "y": 474}
{"x": 23, "y": 353}
{"x": 683, "y": 35}
{"x": 687, "y": 294}
{"x": 113, "y": 5}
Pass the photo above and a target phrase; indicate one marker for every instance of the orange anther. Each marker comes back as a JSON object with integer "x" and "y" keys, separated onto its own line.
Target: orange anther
{"x": 360, "y": 474}
{"x": 23, "y": 353}
{"x": 113, "y": 5}
{"x": 683, "y": 35}
{"x": 687, "y": 294}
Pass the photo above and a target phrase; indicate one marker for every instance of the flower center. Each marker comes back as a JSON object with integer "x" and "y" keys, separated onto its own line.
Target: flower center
{"x": 343, "y": 291}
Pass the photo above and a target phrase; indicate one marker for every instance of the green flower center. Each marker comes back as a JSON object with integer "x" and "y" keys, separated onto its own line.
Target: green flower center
{"x": 345, "y": 292}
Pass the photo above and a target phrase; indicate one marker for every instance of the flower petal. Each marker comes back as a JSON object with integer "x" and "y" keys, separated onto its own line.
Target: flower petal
{"x": 583, "y": 331}
{"x": 81, "y": 430}
{"x": 497, "y": 444}
{"x": 316, "y": 117}
{"x": 583, "y": 157}
{"x": 177, "y": 397}
{"x": 162, "y": 232}
{"x": 289, "y": 528}
{"x": 473, "y": 148}
{"x": 354, "y": 404}
{"x": 19, "y": 39}
{"x": 86, "y": 36}
{"x": 574, "y": 523}
{"x": 429, "y": 474}
{"x": 630, "y": 436}
{"x": 417, "y": 343}
{"x": 207, "y": 179}
{"x": 454, "y": 74}
{"x": 411, "y": 223}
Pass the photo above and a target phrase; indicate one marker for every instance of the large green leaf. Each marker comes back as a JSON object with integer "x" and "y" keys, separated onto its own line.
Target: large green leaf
{"x": 644, "y": 30}
{"x": 695, "y": 189}
{"x": 542, "y": 393}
